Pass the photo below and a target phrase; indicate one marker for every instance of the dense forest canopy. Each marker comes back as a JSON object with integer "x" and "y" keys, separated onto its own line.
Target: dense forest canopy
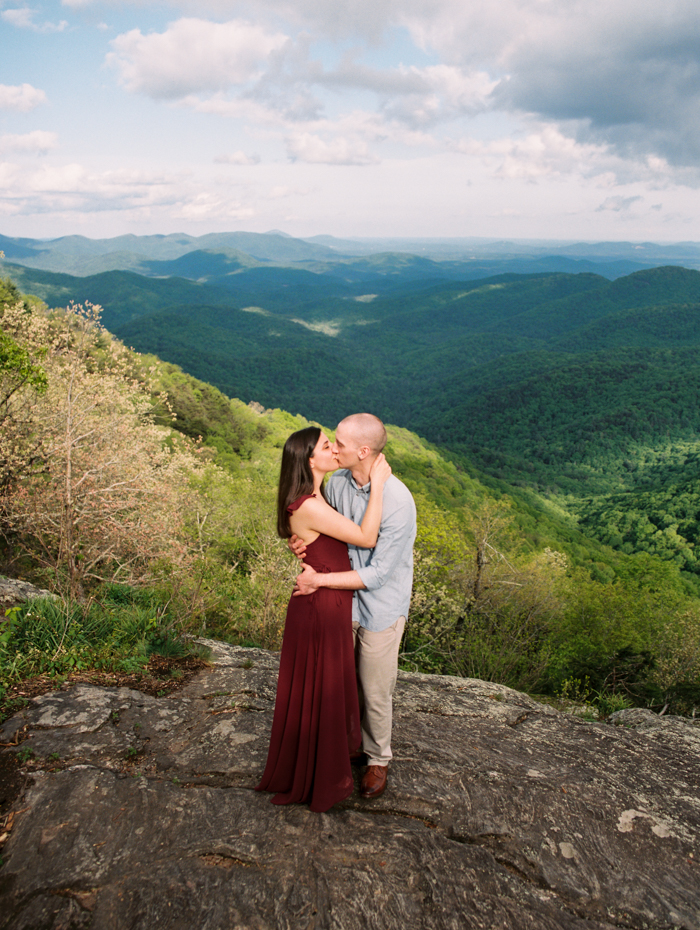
{"x": 576, "y": 386}
{"x": 564, "y": 416}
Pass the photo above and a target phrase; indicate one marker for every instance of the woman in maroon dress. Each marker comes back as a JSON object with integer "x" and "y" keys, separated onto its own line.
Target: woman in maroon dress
{"x": 316, "y": 725}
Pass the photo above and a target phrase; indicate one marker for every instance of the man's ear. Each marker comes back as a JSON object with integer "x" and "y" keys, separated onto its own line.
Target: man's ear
{"x": 363, "y": 452}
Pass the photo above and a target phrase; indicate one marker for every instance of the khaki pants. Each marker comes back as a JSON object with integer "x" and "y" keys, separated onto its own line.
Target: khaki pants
{"x": 376, "y": 659}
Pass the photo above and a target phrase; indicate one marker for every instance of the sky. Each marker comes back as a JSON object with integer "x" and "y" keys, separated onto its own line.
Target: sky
{"x": 518, "y": 119}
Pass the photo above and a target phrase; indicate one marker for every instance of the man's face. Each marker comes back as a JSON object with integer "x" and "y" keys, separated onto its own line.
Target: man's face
{"x": 345, "y": 448}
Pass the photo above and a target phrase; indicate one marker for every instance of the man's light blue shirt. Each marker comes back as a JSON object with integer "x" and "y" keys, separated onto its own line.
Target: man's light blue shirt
{"x": 387, "y": 570}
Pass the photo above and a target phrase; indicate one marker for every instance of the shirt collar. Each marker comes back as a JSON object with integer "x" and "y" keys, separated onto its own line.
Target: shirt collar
{"x": 363, "y": 487}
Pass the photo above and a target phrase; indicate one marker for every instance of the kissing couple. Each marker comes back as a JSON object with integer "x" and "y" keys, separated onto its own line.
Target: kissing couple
{"x": 346, "y": 615}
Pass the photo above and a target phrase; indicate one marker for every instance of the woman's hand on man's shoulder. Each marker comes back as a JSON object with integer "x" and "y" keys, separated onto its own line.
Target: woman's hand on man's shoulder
{"x": 297, "y": 545}
{"x": 380, "y": 471}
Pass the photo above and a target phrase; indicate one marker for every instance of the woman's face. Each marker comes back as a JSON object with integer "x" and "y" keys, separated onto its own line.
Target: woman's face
{"x": 323, "y": 458}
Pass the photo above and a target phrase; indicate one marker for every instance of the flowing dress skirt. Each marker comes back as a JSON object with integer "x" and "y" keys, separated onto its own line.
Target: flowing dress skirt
{"x": 316, "y": 723}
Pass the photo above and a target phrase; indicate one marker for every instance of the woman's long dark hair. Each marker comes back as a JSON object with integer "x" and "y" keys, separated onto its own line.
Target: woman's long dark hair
{"x": 296, "y": 477}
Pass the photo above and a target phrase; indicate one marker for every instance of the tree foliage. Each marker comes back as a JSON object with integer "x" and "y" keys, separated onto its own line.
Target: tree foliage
{"x": 96, "y": 489}
{"x": 118, "y": 466}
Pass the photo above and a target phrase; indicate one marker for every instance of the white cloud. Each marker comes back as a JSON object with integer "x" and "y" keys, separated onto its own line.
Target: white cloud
{"x": 191, "y": 56}
{"x": 365, "y": 18}
{"x": 446, "y": 93}
{"x": 618, "y": 204}
{"x": 70, "y": 190}
{"x": 37, "y": 142}
{"x": 520, "y": 97}
{"x": 307, "y": 147}
{"x": 374, "y": 128}
{"x": 23, "y": 18}
{"x": 241, "y": 71}
{"x": 545, "y": 151}
{"x": 464, "y": 89}
{"x": 279, "y": 192}
{"x": 416, "y": 96}
{"x": 205, "y": 205}
{"x": 239, "y": 108}
{"x": 237, "y": 158}
{"x": 627, "y": 72}
{"x": 283, "y": 191}
{"x": 22, "y": 97}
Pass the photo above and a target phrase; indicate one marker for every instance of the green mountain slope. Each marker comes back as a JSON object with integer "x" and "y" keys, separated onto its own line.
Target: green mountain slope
{"x": 68, "y": 252}
{"x": 663, "y": 520}
{"x": 507, "y": 586}
{"x": 124, "y": 295}
{"x": 665, "y": 325}
{"x": 573, "y": 419}
{"x": 568, "y": 384}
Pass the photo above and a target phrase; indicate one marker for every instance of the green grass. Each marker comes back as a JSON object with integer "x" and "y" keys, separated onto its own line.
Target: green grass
{"x": 117, "y": 631}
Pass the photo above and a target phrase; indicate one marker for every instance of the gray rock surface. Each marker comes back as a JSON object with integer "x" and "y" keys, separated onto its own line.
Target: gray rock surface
{"x": 500, "y": 813}
{"x": 14, "y": 591}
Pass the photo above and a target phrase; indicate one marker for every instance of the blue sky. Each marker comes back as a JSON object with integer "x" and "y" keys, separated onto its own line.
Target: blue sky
{"x": 558, "y": 119}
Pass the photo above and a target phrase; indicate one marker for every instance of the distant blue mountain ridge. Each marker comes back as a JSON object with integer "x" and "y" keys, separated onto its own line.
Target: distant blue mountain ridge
{"x": 465, "y": 258}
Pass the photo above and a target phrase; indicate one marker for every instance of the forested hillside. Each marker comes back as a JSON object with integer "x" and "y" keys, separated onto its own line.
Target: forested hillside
{"x": 128, "y": 485}
{"x": 573, "y": 385}
{"x": 551, "y": 378}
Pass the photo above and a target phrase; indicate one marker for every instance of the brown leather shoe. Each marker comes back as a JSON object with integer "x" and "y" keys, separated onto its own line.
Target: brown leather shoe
{"x": 373, "y": 781}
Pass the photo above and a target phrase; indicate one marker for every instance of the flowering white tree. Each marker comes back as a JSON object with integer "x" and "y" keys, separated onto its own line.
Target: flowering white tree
{"x": 103, "y": 492}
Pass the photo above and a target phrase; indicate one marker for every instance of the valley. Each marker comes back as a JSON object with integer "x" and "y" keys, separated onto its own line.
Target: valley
{"x": 577, "y": 387}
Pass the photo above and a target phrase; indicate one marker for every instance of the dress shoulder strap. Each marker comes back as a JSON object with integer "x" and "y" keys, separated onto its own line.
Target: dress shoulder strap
{"x": 295, "y": 505}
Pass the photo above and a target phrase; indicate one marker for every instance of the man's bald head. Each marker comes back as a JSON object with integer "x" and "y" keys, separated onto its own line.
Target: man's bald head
{"x": 366, "y": 430}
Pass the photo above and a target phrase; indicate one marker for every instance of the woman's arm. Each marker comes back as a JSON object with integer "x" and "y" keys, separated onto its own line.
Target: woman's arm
{"x": 316, "y": 516}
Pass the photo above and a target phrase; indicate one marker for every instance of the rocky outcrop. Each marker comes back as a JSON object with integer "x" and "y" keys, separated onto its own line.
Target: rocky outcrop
{"x": 500, "y": 813}
{"x": 14, "y": 592}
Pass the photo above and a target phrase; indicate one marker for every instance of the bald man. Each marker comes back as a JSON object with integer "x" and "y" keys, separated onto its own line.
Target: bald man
{"x": 381, "y": 578}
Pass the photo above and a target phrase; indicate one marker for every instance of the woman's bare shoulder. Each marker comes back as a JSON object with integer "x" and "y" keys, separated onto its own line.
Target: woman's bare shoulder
{"x": 314, "y": 504}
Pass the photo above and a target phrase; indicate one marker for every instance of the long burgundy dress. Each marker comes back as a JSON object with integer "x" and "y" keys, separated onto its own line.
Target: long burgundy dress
{"x": 317, "y": 716}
